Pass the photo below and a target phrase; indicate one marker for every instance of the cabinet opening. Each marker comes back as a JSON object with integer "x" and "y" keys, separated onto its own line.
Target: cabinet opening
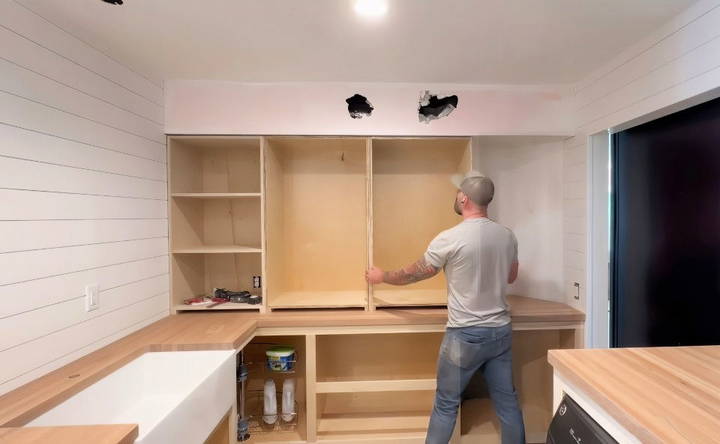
{"x": 316, "y": 222}
{"x": 372, "y": 413}
{"x": 412, "y": 203}
{"x": 290, "y": 429}
{"x": 207, "y": 164}
{"x": 378, "y": 357}
{"x": 196, "y": 275}
{"x": 216, "y": 223}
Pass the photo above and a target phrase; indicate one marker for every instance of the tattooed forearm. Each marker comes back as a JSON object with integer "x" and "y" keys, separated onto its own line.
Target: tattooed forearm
{"x": 418, "y": 271}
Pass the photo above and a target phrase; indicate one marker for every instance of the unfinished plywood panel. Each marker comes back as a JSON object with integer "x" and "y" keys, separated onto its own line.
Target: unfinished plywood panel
{"x": 316, "y": 205}
{"x": 254, "y": 355}
{"x": 196, "y": 275}
{"x": 214, "y": 164}
{"x": 205, "y": 224}
{"x": 412, "y": 203}
{"x": 358, "y": 414}
{"x": 377, "y": 357}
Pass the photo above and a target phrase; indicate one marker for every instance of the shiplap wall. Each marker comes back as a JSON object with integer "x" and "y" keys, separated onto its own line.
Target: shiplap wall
{"x": 82, "y": 198}
{"x": 666, "y": 71}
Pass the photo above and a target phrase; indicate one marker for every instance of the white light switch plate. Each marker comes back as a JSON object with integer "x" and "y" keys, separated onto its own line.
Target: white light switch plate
{"x": 92, "y": 297}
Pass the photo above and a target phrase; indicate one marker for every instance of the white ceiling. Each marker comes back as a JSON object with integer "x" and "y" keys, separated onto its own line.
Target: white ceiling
{"x": 433, "y": 41}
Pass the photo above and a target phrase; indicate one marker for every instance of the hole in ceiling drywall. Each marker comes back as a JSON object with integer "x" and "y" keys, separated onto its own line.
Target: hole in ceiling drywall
{"x": 359, "y": 106}
{"x": 432, "y": 107}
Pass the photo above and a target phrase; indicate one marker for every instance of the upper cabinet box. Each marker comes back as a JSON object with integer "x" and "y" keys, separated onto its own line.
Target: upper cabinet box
{"x": 317, "y": 221}
{"x": 412, "y": 198}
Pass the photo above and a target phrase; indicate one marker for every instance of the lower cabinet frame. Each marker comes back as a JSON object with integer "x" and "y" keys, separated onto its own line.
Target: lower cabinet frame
{"x": 406, "y": 427}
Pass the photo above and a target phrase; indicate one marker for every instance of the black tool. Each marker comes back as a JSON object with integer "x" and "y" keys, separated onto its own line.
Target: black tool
{"x": 240, "y": 297}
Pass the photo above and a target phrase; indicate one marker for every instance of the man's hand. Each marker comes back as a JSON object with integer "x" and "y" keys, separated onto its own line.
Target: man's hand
{"x": 374, "y": 275}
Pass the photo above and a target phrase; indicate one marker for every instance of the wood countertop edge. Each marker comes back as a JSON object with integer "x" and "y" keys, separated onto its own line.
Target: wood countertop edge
{"x": 162, "y": 336}
{"x": 100, "y": 434}
{"x": 619, "y": 414}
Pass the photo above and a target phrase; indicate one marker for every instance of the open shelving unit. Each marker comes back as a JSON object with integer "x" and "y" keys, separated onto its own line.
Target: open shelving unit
{"x": 216, "y": 217}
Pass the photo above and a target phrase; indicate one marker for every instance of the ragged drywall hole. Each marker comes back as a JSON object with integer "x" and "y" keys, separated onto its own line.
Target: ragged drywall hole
{"x": 432, "y": 108}
{"x": 359, "y": 106}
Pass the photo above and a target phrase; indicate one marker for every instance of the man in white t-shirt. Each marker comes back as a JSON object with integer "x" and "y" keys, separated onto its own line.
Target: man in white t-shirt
{"x": 479, "y": 258}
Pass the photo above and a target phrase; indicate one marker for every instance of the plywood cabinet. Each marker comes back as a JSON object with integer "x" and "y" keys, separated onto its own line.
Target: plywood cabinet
{"x": 377, "y": 383}
{"x": 216, "y": 217}
{"x": 309, "y": 214}
{"x": 317, "y": 222}
{"x": 412, "y": 203}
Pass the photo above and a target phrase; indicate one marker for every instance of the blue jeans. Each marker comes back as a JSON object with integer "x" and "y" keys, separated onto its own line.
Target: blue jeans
{"x": 463, "y": 352}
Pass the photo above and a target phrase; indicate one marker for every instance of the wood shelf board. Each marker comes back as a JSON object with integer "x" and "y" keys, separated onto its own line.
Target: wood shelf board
{"x": 410, "y": 297}
{"x": 215, "y": 195}
{"x": 216, "y": 250}
{"x": 225, "y": 306}
{"x": 318, "y": 299}
{"x": 392, "y": 437}
{"x": 276, "y": 437}
{"x": 387, "y": 385}
{"x": 353, "y": 422}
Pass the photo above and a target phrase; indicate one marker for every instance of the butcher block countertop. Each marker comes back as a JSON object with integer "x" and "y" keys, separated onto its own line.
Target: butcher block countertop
{"x": 230, "y": 330}
{"x": 659, "y": 394}
{"x": 96, "y": 434}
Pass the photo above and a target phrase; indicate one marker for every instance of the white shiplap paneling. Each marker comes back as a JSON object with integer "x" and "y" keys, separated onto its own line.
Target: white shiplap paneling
{"x": 26, "y": 23}
{"x": 83, "y": 197}
{"x": 676, "y": 64}
{"x": 40, "y": 293}
{"x": 34, "y": 205}
{"x": 43, "y": 234}
{"x": 30, "y": 145}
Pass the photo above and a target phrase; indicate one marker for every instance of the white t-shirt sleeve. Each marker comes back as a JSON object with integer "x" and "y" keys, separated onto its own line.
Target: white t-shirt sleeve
{"x": 439, "y": 251}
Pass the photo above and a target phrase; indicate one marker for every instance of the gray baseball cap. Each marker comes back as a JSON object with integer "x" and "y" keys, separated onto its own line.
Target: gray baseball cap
{"x": 479, "y": 188}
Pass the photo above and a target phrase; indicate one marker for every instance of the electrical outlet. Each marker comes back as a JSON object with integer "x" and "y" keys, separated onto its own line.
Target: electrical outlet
{"x": 92, "y": 297}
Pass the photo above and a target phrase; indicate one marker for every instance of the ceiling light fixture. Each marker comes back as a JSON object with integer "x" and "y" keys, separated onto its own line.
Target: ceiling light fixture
{"x": 371, "y": 8}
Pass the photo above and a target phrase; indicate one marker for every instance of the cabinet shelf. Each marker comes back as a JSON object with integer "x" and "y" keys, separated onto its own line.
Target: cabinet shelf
{"x": 373, "y": 422}
{"x": 225, "y": 306}
{"x": 215, "y": 195}
{"x": 386, "y": 385}
{"x": 217, "y": 250}
{"x": 319, "y": 299}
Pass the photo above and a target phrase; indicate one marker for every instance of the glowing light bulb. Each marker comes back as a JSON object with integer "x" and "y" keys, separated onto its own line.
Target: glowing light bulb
{"x": 371, "y": 8}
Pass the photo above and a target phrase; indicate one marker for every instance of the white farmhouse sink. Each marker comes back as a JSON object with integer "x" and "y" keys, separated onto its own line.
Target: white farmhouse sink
{"x": 175, "y": 397}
